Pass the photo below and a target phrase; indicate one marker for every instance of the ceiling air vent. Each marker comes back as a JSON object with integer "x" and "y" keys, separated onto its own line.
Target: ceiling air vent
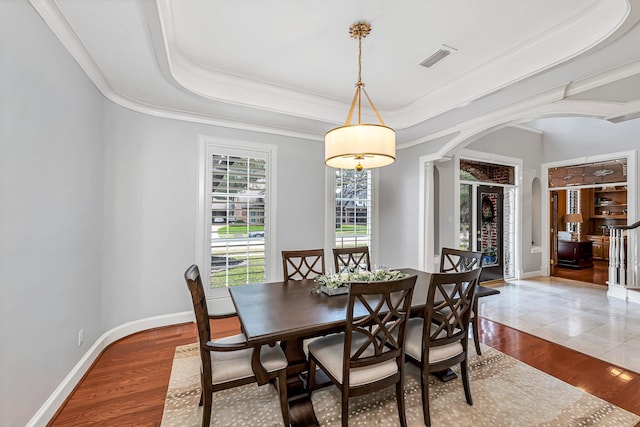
{"x": 437, "y": 56}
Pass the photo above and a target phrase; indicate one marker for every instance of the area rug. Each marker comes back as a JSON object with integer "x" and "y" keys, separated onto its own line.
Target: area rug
{"x": 505, "y": 391}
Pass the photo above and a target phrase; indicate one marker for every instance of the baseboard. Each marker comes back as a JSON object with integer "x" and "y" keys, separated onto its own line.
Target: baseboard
{"x": 617, "y": 291}
{"x": 633, "y": 295}
{"x": 530, "y": 274}
{"x": 60, "y": 394}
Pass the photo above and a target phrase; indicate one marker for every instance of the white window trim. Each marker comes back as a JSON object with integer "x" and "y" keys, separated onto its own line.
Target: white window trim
{"x": 203, "y": 208}
{"x": 330, "y": 217}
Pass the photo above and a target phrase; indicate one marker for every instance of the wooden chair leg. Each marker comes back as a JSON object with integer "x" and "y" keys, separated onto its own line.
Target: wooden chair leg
{"x": 311, "y": 378}
{"x": 476, "y": 335}
{"x": 345, "y": 409}
{"x": 206, "y": 410}
{"x": 284, "y": 400}
{"x": 402, "y": 416}
{"x": 464, "y": 370}
{"x": 201, "y": 389}
{"x": 424, "y": 379}
{"x": 474, "y": 325}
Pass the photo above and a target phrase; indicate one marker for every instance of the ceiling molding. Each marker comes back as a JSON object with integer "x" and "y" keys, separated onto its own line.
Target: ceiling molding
{"x": 562, "y": 108}
{"x": 525, "y": 128}
{"x": 581, "y": 29}
{"x": 61, "y": 28}
{"x": 554, "y": 102}
{"x": 547, "y": 103}
{"x": 593, "y": 82}
{"x": 561, "y": 43}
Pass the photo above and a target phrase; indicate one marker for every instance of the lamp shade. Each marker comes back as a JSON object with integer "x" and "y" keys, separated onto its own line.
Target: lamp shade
{"x": 573, "y": 218}
{"x": 370, "y": 145}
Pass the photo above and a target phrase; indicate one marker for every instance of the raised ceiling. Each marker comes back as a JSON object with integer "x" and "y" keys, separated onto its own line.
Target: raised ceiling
{"x": 289, "y": 67}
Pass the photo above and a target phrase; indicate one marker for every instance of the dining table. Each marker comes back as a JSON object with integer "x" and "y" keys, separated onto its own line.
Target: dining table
{"x": 286, "y": 313}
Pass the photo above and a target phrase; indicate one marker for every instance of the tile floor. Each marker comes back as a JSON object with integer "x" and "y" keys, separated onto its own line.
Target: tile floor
{"x": 574, "y": 314}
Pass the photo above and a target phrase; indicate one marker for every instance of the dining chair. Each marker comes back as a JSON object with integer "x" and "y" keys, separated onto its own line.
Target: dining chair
{"x": 303, "y": 264}
{"x": 351, "y": 258}
{"x": 439, "y": 341}
{"x": 458, "y": 260}
{"x": 369, "y": 355}
{"x": 226, "y": 362}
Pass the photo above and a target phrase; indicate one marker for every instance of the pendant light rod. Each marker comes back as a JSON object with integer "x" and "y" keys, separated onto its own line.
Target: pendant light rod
{"x": 358, "y": 31}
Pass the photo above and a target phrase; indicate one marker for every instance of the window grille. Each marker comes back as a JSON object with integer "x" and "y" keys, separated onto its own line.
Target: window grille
{"x": 353, "y": 204}
{"x": 238, "y": 230}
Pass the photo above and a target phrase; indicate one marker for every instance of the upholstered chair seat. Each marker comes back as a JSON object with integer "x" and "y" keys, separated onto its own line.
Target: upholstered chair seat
{"x": 413, "y": 343}
{"x": 236, "y": 365}
{"x": 329, "y": 350}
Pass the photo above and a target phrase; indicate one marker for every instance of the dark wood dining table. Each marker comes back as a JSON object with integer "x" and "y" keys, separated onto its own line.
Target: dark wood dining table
{"x": 288, "y": 312}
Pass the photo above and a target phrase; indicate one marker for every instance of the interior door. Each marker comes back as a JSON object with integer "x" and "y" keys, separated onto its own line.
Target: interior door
{"x": 489, "y": 232}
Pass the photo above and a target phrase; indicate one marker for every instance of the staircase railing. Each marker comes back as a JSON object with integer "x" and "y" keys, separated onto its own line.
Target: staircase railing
{"x": 624, "y": 267}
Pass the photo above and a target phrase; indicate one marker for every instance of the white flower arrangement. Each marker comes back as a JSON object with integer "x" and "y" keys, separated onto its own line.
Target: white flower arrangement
{"x": 338, "y": 280}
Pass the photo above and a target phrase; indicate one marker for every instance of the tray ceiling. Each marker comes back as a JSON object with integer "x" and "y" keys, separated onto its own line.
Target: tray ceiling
{"x": 289, "y": 67}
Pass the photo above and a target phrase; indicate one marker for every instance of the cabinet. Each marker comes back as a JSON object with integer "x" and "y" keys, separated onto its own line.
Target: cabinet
{"x": 575, "y": 254}
{"x": 600, "y": 245}
{"x": 609, "y": 207}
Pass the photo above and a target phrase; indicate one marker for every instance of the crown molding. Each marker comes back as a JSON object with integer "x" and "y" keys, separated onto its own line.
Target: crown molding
{"x": 520, "y": 111}
{"x": 57, "y": 22}
{"x": 590, "y": 28}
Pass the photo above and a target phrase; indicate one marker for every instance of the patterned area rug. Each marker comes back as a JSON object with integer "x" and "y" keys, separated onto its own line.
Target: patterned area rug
{"x": 505, "y": 392}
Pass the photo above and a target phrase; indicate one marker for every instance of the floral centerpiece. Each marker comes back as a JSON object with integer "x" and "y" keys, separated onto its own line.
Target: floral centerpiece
{"x": 338, "y": 283}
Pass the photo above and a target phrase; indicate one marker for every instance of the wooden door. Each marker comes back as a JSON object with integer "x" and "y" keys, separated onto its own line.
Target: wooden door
{"x": 490, "y": 233}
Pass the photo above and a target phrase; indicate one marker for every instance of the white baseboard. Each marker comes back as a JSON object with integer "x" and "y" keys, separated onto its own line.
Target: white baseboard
{"x": 530, "y": 274}
{"x": 60, "y": 394}
{"x": 633, "y": 295}
{"x": 617, "y": 291}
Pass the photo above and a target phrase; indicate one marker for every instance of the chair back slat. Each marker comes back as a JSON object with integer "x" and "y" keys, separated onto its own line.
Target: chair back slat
{"x": 304, "y": 264}
{"x": 380, "y": 320}
{"x": 449, "y": 304}
{"x": 351, "y": 259}
{"x": 458, "y": 260}
{"x": 199, "y": 300}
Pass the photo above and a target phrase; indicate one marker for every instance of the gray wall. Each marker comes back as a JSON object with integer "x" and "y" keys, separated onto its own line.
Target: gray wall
{"x": 575, "y": 137}
{"x": 399, "y": 189}
{"x": 528, "y": 146}
{"x": 51, "y": 193}
{"x": 398, "y": 216}
{"x": 99, "y": 211}
{"x": 150, "y": 219}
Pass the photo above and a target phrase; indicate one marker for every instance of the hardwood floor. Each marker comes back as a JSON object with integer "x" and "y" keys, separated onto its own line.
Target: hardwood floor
{"x": 598, "y": 274}
{"x": 128, "y": 382}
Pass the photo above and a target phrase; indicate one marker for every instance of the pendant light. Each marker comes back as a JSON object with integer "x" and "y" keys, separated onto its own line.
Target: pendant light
{"x": 362, "y": 145}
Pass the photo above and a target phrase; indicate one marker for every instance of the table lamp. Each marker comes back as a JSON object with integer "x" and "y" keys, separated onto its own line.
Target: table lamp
{"x": 574, "y": 218}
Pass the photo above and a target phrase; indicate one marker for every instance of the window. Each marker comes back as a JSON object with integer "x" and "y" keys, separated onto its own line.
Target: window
{"x": 605, "y": 172}
{"x": 466, "y": 224}
{"x": 573, "y": 207}
{"x": 473, "y": 170}
{"x": 354, "y": 208}
{"x": 235, "y": 239}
